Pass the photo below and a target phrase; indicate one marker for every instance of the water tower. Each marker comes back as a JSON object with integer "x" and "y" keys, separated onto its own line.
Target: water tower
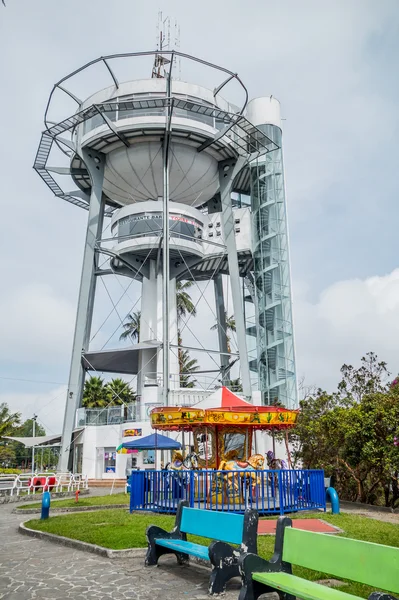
{"x": 161, "y": 158}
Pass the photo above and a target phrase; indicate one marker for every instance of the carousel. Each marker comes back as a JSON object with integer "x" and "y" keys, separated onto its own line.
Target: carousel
{"x": 222, "y": 427}
{"x": 228, "y": 468}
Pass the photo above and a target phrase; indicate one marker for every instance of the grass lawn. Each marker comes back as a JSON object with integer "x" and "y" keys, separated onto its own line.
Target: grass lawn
{"x": 118, "y": 529}
{"x": 83, "y": 501}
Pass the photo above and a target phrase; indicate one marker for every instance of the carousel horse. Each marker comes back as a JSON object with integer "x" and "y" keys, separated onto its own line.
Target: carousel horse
{"x": 178, "y": 463}
{"x": 254, "y": 463}
{"x": 275, "y": 464}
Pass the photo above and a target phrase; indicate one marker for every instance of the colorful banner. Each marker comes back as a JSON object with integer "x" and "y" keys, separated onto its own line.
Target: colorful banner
{"x": 132, "y": 433}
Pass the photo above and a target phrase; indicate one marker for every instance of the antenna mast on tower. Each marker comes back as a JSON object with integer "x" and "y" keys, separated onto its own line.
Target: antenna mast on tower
{"x": 165, "y": 41}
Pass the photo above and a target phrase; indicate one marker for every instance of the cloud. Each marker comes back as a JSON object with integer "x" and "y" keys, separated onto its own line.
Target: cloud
{"x": 49, "y": 406}
{"x": 36, "y": 324}
{"x": 348, "y": 319}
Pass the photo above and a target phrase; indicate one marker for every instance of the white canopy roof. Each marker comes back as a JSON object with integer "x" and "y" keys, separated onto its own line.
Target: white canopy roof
{"x": 41, "y": 440}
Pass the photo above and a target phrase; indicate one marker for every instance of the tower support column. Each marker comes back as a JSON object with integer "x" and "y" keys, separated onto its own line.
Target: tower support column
{"x": 221, "y": 327}
{"x": 228, "y": 169}
{"x": 94, "y": 162}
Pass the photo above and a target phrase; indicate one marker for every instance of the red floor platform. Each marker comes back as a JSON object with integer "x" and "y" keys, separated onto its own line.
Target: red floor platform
{"x": 316, "y": 525}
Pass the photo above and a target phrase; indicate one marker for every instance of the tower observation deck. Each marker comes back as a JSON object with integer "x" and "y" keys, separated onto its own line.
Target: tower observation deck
{"x": 166, "y": 160}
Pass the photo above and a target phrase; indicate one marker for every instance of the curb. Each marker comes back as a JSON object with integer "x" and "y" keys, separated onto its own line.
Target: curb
{"x": 84, "y": 546}
{"x": 68, "y": 509}
{"x": 368, "y": 507}
{"x": 7, "y": 499}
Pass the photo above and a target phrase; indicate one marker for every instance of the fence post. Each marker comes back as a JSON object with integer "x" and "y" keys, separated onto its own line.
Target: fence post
{"x": 281, "y": 492}
{"x": 192, "y": 489}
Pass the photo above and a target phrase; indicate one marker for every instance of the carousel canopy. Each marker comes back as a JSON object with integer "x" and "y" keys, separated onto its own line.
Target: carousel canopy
{"x": 155, "y": 441}
{"x": 222, "y": 408}
{"x": 222, "y": 398}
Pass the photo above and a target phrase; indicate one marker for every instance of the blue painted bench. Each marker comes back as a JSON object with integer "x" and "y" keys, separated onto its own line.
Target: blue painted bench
{"x": 223, "y": 528}
{"x": 371, "y": 564}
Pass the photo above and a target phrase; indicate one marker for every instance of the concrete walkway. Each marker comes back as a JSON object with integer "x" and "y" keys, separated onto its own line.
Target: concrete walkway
{"x": 35, "y": 569}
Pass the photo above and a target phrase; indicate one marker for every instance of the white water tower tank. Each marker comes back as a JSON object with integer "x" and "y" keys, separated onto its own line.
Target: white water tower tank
{"x": 134, "y": 170}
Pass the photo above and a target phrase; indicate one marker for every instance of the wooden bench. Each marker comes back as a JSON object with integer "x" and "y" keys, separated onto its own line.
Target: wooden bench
{"x": 223, "y": 528}
{"x": 372, "y": 564}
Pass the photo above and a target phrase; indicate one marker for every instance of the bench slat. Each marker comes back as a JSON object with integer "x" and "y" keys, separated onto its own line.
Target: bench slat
{"x": 372, "y": 564}
{"x": 301, "y": 588}
{"x": 212, "y": 524}
{"x": 186, "y": 547}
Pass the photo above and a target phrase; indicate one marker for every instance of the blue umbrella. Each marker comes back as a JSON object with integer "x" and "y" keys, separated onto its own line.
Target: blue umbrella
{"x": 155, "y": 441}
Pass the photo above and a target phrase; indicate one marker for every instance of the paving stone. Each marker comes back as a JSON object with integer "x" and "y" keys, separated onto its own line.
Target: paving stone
{"x": 33, "y": 569}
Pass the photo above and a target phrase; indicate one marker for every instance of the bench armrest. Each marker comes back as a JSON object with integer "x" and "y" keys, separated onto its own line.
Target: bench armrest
{"x": 224, "y": 560}
{"x": 153, "y": 532}
{"x": 221, "y": 551}
{"x": 252, "y": 563}
{"x": 250, "y": 531}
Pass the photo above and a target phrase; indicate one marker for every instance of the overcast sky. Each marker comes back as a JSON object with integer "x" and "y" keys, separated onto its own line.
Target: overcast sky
{"x": 333, "y": 66}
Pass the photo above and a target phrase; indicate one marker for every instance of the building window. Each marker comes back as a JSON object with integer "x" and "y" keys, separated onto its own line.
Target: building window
{"x": 109, "y": 460}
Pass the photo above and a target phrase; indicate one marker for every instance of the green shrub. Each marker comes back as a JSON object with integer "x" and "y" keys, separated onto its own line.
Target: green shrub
{"x": 10, "y": 471}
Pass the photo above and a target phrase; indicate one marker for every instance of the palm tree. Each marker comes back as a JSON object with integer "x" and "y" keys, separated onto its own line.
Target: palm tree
{"x": 119, "y": 392}
{"x": 8, "y": 421}
{"x": 184, "y": 303}
{"x": 132, "y": 327}
{"x": 184, "y": 306}
{"x": 187, "y": 367}
{"x": 94, "y": 393}
{"x": 234, "y": 385}
{"x": 230, "y": 327}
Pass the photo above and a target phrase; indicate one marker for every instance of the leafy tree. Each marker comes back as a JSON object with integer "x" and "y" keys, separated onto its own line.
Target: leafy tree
{"x": 353, "y": 436}
{"x": 132, "y": 327}
{"x": 94, "y": 393}
{"x": 26, "y": 429}
{"x": 7, "y": 455}
{"x": 230, "y": 328}
{"x": 370, "y": 378}
{"x": 119, "y": 392}
{"x": 8, "y": 421}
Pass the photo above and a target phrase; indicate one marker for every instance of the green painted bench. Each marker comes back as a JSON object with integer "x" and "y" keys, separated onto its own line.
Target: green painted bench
{"x": 223, "y": 528}
{"x": 372, "y": 564}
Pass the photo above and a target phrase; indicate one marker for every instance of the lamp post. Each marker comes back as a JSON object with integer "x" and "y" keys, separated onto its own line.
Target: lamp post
{"x": 33, "y": 447}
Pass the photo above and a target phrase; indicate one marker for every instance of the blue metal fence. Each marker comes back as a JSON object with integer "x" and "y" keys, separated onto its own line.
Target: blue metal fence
{"x": 269, "y": 492}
